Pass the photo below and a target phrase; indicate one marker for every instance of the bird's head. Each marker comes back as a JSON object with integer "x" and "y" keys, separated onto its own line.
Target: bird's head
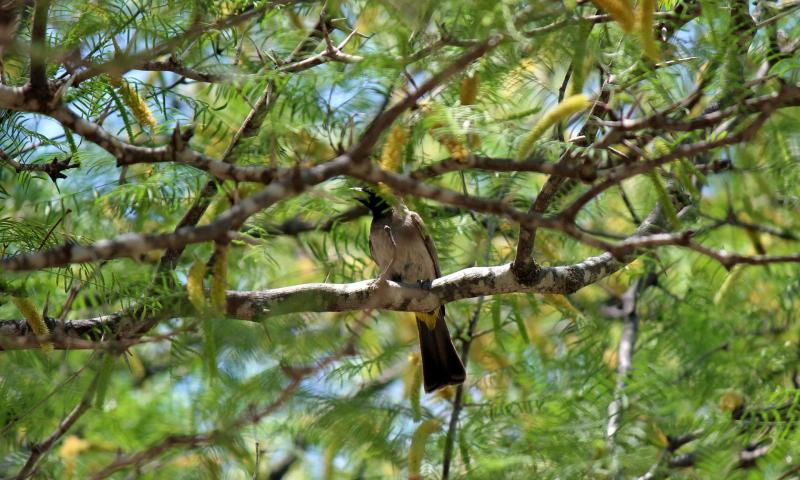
{"x": 376, "y": 204}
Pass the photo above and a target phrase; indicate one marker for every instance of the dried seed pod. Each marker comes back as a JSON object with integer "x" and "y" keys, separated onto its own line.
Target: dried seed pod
{"x": 194, "y": 285}
{"x": 620, "y": 11}
{"x": 392, "y": 153}
{"x": 34, "y": 319}
{"x": 646, "y": 13}
{"x": 135, "y": 102}
{"x": 456, "y": 147}
{"x": 468, "y": 93}
{"x": 416, "y": 452}
{"x": 219, "y": 277}
{"x": 570, "y": 105}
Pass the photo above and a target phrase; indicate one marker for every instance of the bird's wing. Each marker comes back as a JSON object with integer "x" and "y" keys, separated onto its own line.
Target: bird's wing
{"x": 371, "y": 246}
{"x": 417, "y": 221}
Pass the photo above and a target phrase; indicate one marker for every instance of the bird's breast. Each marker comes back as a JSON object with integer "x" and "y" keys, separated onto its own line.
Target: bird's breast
{"x": 412, "y": 261}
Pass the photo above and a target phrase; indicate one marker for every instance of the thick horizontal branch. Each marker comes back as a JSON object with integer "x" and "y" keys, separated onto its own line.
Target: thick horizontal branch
{"x": 326, "y": 297}
{"x": 321, "y": 297}
{"x": 467, "y": 283}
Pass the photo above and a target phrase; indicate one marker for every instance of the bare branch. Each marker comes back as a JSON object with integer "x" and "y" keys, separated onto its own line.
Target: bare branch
{"x": 387, "y": 118}
{"x": 131, "y": 244}
{"x": 123, "y": 63}
{"x": 173, "y": 65}
{"x": 39, "y": 49}
{"x": 40, "y": 449}
{"x": 54, "y": 169}
{"x": 626, "y": 171}
{"x": 251, "y": 415}
{"x": 524, "y": 265}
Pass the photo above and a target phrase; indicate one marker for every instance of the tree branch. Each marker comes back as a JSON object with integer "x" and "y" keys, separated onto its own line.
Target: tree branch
{"x": 132, "y": 244}
{"x": 40, "y": 449}
{"x": 251, "y": 415}
{"x": 387, "y": 118}
{"x": 123, "y": 63}
{"x": 39, "y": 49}
{"x": 54, "y": 169}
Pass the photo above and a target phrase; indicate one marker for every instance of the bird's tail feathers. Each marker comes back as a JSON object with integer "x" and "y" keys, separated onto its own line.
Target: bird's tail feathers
{"x": 441, "y": 365}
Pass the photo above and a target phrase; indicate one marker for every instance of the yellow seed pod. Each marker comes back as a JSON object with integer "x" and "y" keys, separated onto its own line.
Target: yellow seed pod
{"x": 646, "y": 13}
{"x": 573, "y": 104}
{"x": 194, "y": 285}
{"x": 458, "y": 151}
{"x": 755, "y": 240}
{"x": 413, "y": 358}
{"x": 730, "y": 401}
{"x": 656, "y": 435}
{"x": 367, "y": 22}
{"x": 516, "y": 77}
{"x": 468, "y": 94}
{"x": 620, "y": 11}
{"x": 218, "y": 205}
{"x": 219, "y": 277}
{"x": 415, "y": 386}
{"x": 34, "y": 319}
{"x": 135, "y": 103}
{"x": 732, "y": 277}
{"x": 416, "y": 452}
{"x": 295, "y": 19}
{"x": 72, "y": 447}
{"x": 610, "y": 358}
{"x": 392, "y": 153}
{"x": 328, "y": 468}
{"x": 469, "y": 89}
{"x": 137, "y": 367}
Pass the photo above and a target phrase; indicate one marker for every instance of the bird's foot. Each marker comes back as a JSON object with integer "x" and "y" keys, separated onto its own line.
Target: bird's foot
{"x": 379, "y": 283}
{"x": 383, "y": 280}
{"x": 425, "y": 284}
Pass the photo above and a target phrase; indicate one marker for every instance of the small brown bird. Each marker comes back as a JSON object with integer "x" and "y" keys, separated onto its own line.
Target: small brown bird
{"x": 407, "y": 254}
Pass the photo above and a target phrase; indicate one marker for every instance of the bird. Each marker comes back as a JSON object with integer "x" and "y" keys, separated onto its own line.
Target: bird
{"x": 405, "y": 253}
